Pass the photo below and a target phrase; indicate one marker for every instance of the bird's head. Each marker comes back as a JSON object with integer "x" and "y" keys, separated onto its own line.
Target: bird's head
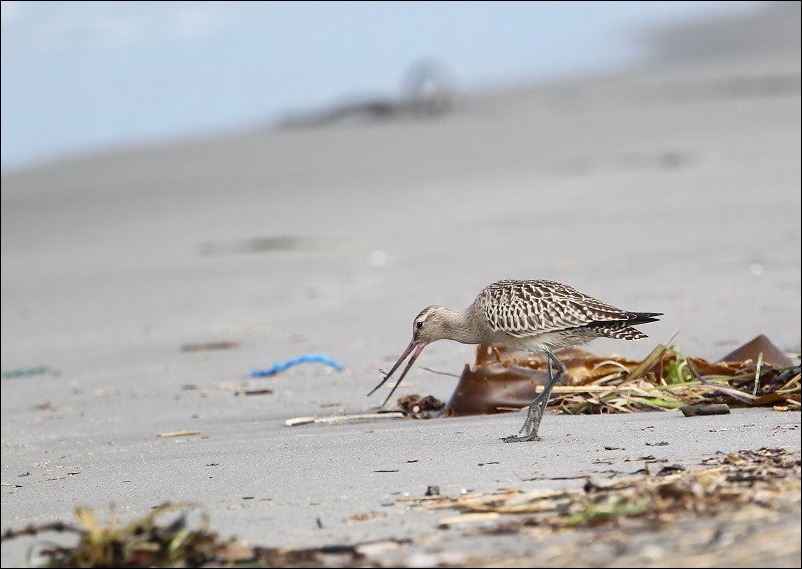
{"x": 429, "y": 326}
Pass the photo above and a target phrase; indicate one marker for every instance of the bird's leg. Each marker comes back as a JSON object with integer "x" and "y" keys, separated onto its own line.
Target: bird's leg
{"x": 535, "y": 411}
{"x": 538, "y": 405}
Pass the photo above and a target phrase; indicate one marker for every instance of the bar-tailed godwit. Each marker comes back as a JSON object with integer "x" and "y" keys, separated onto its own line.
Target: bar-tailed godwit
{"x": 536, "y": 316}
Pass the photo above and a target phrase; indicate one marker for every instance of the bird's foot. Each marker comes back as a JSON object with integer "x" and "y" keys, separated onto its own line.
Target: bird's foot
{"x": 530, "y": 427}
{"x": 516, "y": 439}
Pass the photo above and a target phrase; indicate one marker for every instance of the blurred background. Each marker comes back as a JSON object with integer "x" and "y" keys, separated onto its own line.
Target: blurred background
{"x": 84, "y": 76}
{"x": 305, "y": 177}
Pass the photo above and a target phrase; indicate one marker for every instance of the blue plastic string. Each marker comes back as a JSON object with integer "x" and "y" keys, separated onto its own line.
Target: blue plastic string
{"x": 305, "y": 359}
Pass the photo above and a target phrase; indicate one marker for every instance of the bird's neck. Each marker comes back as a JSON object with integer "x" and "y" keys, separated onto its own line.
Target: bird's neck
{"x": 459, "y": 326}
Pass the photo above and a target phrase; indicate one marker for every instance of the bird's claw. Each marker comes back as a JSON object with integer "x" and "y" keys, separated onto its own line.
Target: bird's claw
{"x": 523, "y": 439}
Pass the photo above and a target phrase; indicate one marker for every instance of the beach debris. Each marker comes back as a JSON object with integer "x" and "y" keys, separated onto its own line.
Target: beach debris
{"x": 140, "y": 543}
{"x": 503, "y": 380}
{"x": 412, "y": 406}
{"x": 208, "y": 346}
{"x": 471, "y": 518}
{"x": 376, "y": 548}
{"x": 182, "y": 540}
{"x": 420, "y": 407}
{"x": 304, "y": 359}
{"x": 342, "y": 419}
{"x": 366, "y": 516}
{"x": 747, "y": 485}
{"x": 762, "y": 479}
{"x": 27, "y": 371}
{"x": 428, "y": 91}
{"x": 753, "y": 349}
{"x": 187, "y": 433}
{"x": 704, "y": 409}
{"x": 241, "y": 392}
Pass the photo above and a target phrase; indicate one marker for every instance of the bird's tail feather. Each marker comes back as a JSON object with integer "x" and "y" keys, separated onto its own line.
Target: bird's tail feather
{"x": 643, "y": 317}
{"x": 619, "y": 331}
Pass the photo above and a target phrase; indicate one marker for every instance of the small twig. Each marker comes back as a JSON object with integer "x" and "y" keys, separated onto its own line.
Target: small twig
{"x": 34, "y": 530}
{"x": 342, "y": 418}
{"x": 612, "y": 376}
{"x": 734, "y": 393}
{"x": 789, "y": 385}
{"x": 240, "y": 392}
{"x": 757, "y": 373}
{"x": 612, "y": 363}
{"x": 178, "y": 434}
{"x": 440, "y": 372}
{"x": 697, "y": 410}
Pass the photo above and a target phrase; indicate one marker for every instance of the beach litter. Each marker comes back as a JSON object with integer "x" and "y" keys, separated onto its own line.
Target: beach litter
{"x": 241, "y": 392}
{"x": 698, "y": 410}
{"x": 304, "y": 359}
{"x": 206, "y": 346}
{"x": 187, "y": 433}
{"x": 342, "y": 419}
{"x": 420, "y": 407}
{"x": 27, "y": 372}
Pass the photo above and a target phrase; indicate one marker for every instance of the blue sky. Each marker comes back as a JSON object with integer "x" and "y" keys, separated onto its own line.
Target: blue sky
{"x": 88, "y": 76}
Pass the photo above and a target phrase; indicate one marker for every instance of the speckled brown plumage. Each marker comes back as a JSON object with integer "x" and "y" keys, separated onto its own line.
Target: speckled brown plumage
{"x": 528, "y": 309}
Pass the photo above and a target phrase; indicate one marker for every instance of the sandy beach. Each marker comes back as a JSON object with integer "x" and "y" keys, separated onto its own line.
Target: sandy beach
{"x": 673, "y": 188}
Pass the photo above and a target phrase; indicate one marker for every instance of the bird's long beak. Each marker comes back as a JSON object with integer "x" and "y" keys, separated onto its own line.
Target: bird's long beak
{"x": 413, "y": 348}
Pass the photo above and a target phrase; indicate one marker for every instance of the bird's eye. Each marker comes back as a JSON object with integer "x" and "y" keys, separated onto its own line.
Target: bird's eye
{"x": 419, "y": 324}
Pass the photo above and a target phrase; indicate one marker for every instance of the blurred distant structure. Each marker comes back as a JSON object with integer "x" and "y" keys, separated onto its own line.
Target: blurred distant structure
{"x": 754, "y": 54}
{"x": 427, "y": 90}
{"x": 773, "y": 27}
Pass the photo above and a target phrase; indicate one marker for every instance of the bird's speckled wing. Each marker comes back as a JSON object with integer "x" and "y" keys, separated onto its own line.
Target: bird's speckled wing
{"x": 529, "y": 308}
